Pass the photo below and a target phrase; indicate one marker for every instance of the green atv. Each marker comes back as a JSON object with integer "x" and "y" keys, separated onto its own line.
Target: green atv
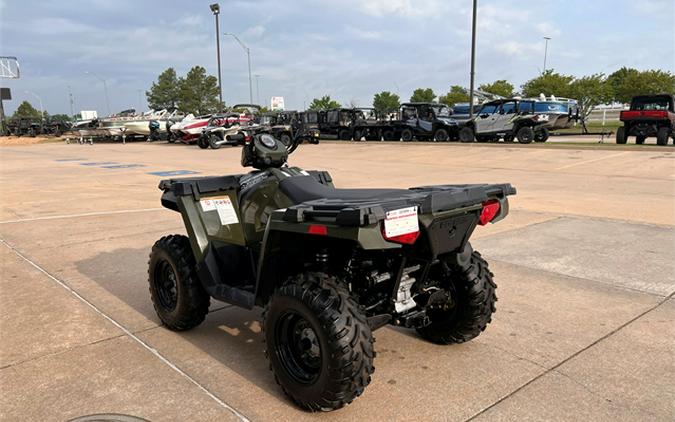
{"x": 328, "y": 265}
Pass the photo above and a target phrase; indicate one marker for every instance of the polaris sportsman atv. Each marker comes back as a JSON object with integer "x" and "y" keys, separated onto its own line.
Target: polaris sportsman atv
{"x": 328, "y": 265}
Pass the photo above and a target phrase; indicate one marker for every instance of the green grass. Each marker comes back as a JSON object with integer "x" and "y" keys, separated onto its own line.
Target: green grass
{"x": 593, "y": 126}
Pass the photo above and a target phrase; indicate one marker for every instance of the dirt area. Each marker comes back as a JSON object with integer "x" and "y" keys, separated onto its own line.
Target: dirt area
{"x": 26, "y": 140}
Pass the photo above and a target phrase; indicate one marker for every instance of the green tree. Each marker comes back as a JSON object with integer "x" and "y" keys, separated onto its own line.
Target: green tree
{"x": 198, "y": 92}
{"x": 500, "y": 87}
{"x": 548, "y": 83}
{"x": 165, "y": 92}
{"x": 385, "y": 102}
{"x": 617, "y": 81}
{"x": 627, "y": 83}
{"x": 323, "y": 103}
{"x": 25, "y": 109}
{"x": 590, "y": 91}
{"x": 423, "y": 95}
{"x": 60, "y": 118}
{"x": 457, "y": 94}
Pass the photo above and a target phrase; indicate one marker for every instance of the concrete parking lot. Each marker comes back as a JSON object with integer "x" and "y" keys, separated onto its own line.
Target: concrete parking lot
{"x": 584, "y": 328}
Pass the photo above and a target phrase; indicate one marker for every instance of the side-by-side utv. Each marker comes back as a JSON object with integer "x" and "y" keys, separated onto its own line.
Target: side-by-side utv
{"x": 327, "y": 265}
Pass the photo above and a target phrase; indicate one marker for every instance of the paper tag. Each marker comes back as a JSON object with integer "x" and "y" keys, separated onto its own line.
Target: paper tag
{"x": 223, "y": 206}
{"x": 401, "y": 221}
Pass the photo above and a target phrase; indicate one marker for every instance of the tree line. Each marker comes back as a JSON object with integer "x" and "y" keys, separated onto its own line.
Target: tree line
{"x": 197, "y": 92}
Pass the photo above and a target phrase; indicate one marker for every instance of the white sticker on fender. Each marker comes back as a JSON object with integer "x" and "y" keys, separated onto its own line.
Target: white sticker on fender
{"x": 401, "y": 221}
{"x": 226, "y": 212}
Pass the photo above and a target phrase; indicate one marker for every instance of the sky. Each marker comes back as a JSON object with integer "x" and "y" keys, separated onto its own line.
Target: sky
{"x": 302, "y": 49}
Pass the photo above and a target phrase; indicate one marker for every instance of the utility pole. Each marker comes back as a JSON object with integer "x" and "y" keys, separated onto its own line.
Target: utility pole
{"x": 248, "y": 57}
{"x": 215, "y": 8}
{"x": 257, "y": 89}
{"x": 547, "y": 39}
{"x": 72, "y": 102}
{"x": 105, "y": 89}
{"x": 473, "y": 57}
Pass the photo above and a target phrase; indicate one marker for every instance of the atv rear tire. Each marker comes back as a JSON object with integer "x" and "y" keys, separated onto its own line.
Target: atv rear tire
{"x": 389, "y": 135}
{"x": 525, "y": 135}
{"x": 662, "y": 136}
{"x": 357, "y": 135}
{"x": 541, "y": 135}
{"x": 466, "y": 134}
{"x": 406, "y": 135}
{"x": 176, "y": 292}
{"x": 441, "y": 135}
{"x": 471, "y": 304}
{"x": 621, "y": 137}
{"x": 318, "y": 342}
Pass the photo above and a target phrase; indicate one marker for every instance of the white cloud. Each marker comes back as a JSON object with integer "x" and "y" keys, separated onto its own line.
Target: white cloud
{"x": 363, "y": 34}
{"x": 255, "y": 31}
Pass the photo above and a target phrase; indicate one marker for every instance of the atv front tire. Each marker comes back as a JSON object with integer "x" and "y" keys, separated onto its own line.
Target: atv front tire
{"x": 469, "y": 309}
{"x": 406, "y": 135}
{"x": 214, "y": 141}
{"x": 318, "y": 342}
{"x": 525, "y": 135}
{"x": 176, "y": 292}
{"x": 203, "y": 142}
{"x": 466, "y": 134}
{"x": 442, "y": 135}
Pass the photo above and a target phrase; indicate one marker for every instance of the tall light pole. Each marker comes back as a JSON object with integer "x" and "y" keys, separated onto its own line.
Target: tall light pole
{"x": 473, "y": 57}
{"x": 42, "y": 110}
{"x": 547, "y": 39}
{"x": 72, "y": 102}
{"x": 248, "y": 56}
{"x": 257, "y": 89}
{"x": 215, "y": 8}
{"x": 105, "y": 88}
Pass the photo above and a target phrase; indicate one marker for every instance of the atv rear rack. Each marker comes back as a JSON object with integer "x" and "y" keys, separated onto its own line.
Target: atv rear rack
{"x": 428, "y": 199}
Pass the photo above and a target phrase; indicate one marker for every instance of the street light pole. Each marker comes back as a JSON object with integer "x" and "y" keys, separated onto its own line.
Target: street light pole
{"x": 257, "y": 89}
{"x": 473, "y": 57}
{"x": 248, "y": 57}
{"x": 105, "y": 89}
{"x": 545, "y": 52}
{"x": 215, "y": 8}
{"x": 42, "y": 111}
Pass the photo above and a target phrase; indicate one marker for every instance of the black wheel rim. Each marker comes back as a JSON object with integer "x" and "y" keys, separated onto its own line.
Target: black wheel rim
{"x": 297, "y": 347}
{"x": 166, "y": 285}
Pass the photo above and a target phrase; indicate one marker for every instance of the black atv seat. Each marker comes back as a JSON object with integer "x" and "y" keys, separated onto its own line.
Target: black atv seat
{"x": 306, "y": 188}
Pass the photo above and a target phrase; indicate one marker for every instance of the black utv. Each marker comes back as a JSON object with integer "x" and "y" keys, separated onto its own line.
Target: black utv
{"x": 426, "y": 121}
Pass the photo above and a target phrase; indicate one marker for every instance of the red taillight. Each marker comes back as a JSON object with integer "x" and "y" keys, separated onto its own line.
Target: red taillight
{"x": 404, "y": 239}
{"x": 655, "y": 114}
{"x": 489, "y": 212}
{"x": 248, "y": 139}
{"x": 634, "y": 114}
{"x": 317, "y": 229}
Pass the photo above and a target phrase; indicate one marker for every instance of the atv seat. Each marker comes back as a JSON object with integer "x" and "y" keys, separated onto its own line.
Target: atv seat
{"x": 306, "y": 188}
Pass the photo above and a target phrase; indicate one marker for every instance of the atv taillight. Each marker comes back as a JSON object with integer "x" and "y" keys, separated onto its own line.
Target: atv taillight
{"x": 318, "y": 229}
{"x": 404, "y": 239}
{"x": 489, "y": 212}
{"x": 248, "y": 139}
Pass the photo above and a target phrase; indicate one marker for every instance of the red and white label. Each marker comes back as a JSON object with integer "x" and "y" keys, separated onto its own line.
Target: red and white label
{"x": 401, "y": 221}
{"x": 223, "y": 206}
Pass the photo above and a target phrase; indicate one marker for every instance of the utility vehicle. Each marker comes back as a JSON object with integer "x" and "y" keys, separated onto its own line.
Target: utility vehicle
{"x": 506, "y": 118}
{"x": 649, "y": 115}
{"x": 425, "y": 121}
{"x": 328, "y": 265}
